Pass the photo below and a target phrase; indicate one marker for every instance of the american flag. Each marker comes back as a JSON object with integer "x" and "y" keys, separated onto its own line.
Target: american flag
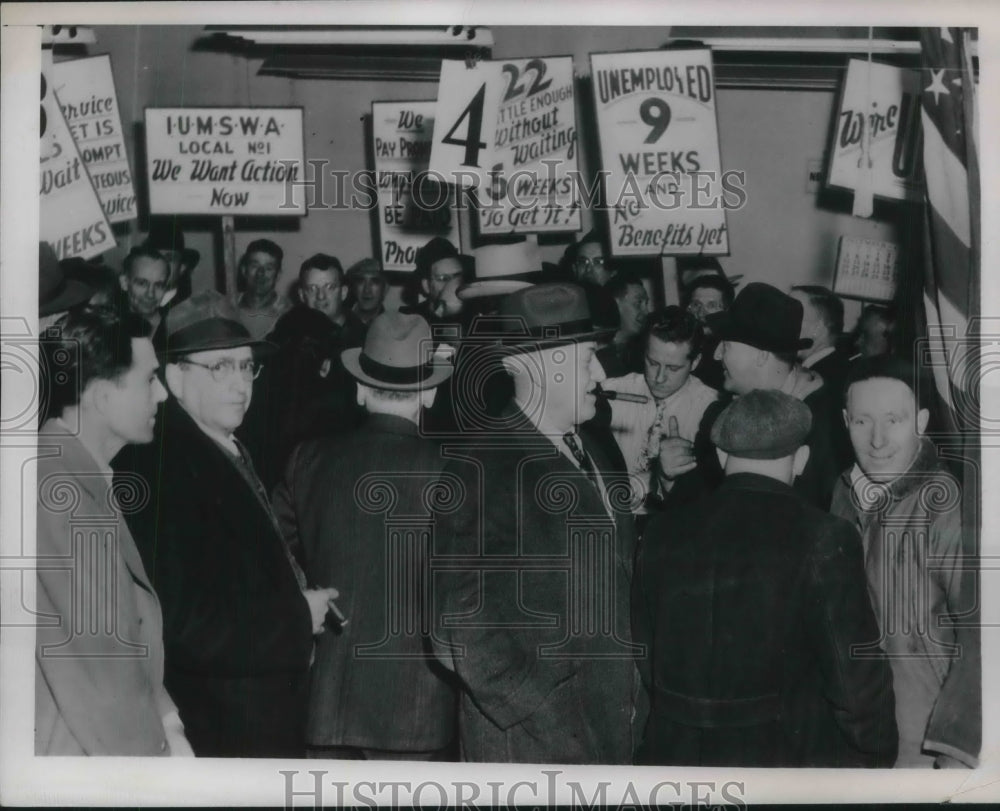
{"x": 951, "y": 168}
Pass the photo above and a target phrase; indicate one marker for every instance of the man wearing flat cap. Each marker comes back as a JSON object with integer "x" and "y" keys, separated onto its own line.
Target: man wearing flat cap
{"x": 377, "y": 692}
{"x": 759, "y": 342}
{"x": 749, "y": 603}
{"x": 534, "y": 620}
{"x": 238, "y": 618}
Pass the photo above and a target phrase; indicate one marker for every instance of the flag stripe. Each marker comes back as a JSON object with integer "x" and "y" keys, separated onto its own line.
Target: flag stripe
{"x": 949, "y": 274}
{"x": 947, "y": 181}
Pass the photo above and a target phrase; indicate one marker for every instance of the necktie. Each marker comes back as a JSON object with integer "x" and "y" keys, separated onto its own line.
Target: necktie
{"x": 582, "y": 459}
{"x": 247, "y": 464}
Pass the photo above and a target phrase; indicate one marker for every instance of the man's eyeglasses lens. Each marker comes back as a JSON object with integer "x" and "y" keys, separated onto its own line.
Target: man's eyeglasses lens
{"x": 223, "y": 369}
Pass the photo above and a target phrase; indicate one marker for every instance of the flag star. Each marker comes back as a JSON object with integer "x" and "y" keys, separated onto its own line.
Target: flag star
{"x": 937, "y": 84}
{"x": 946, "y": 36}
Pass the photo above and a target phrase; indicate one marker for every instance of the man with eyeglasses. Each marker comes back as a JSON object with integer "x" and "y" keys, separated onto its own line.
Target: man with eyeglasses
{"x": 305, "y": 391}
{"x": 238, "y": 617}
{"x": 585, "y": 262}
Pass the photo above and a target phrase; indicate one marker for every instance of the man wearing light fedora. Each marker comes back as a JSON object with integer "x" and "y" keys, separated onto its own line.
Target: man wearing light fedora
{"x": 751, "y": 602}
{"x": 759, "y": 343}
{"x": 238, "y": 617}
{"x": 534, "y": 618}
{"x": 376, "y": 692}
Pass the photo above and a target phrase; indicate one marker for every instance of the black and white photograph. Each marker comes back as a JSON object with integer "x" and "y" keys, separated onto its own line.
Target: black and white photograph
{"x": 460, "y": 404}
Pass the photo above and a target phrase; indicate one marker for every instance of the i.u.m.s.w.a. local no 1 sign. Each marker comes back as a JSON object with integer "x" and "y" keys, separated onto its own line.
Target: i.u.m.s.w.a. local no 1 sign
{"x": 225, "y": 160}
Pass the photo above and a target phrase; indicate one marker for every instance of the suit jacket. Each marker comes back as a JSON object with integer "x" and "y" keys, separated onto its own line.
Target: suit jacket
{"x": 95, "y": 693}
{"x": 750, "y": 602}
{"x": 375, "y": 683}
{"x": 534, "y": 617}
{"x": 237, "y": 630}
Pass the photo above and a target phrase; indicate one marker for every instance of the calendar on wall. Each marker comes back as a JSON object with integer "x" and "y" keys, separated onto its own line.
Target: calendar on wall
{"x": 867, "y": 269}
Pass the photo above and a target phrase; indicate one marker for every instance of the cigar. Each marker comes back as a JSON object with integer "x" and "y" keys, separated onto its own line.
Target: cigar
{"x": 338, "y": 615}
{"x": 625, "y": 397}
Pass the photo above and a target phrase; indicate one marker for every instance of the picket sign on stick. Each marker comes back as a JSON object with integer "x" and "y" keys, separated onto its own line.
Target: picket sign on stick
{"x": 228, "y": 162}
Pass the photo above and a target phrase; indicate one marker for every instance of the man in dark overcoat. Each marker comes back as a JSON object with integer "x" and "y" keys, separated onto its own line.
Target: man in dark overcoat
{"x": 534, "y": 618}
{"x": 356, "y": 507}
{"x": 750, "y": 604}
{"x": 238, "y": 620}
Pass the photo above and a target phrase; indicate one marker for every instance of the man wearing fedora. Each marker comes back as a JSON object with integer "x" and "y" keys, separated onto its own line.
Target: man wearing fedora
{"x": 759, "y": 343}
{"x": 57, "y": 292}
{"x": 750, "y": 604}
{"x": 534, "y": 619}
{"x": 99, "y": 642}
{"x": 439, "y": 271}
{"x": 377, "y": 693}
{"x": 238, "y": 617}
{"x": 166, "y": 238}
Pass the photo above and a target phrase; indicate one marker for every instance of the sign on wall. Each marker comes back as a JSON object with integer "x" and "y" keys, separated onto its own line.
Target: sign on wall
{"x": 86, "y": 92}
{"x": 225, "y": 160}
{"x": 886, "y": 100}
{"x": 411, "y": 208}
{"x": 659, "y": 140}
{"x": 533, "y": 174}
{"x": 71, "y": 220}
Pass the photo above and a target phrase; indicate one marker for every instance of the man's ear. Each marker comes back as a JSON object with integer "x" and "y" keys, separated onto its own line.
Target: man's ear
{"x": 344, "y": 290}
{"x": 427, "y": 397}
{"x": 123, "y": 281}
{"x": 847, "y": 420}
{"x": 95, "y": 395}
{"x": 425, "y": 286}
{"x": 362, "y": 394}
{"x": 302, "y": 295}
{"x": 173, "y": 375}
{"x": 923, "y": 415}
{"x": 800, "y": 460}
{"x": 762, "y": 356}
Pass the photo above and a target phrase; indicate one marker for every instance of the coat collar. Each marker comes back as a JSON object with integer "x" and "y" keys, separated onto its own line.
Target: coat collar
{"x": 924, "y": 465}
{"x": 391, "y": 424}
{"x": 79, "y": 463}
{"x": 756, "y": 482}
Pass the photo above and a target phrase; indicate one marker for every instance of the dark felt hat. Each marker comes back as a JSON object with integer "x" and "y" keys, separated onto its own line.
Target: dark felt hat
{"x": 764, "y": 317}
{"x": 57, "y": 292}
{"x": 762, "y": 424}
{"x": 165, "y": 235}
{"x": 204, "y": 322}
{"x": 546, "y": 315}
{"x": 398, "y": 355}
{"x": 437, "y": 249}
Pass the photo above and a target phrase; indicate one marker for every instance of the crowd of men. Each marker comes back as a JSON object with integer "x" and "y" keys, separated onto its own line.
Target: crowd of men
{"x": 524, "y": 519}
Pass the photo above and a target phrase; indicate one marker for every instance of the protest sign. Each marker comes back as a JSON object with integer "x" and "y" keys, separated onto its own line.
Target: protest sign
{"x": 71, "y": 220}
{"x": 533, "y": 171}
{"x": 464, "y": 145}
{"x": 225, "y": 160}
{"x": 659, "y": 139}
{"x": 86, "y": 92}
{"x": 412, "y": 208}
